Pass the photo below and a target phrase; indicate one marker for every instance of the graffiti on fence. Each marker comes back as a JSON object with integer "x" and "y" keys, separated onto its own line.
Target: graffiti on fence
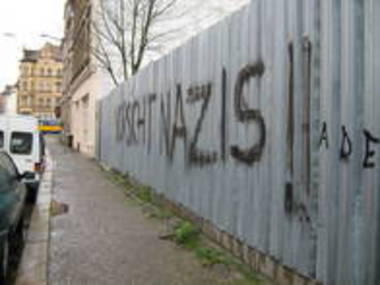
{"x": 134, "y": 121}
{"x": 346, "y": 148}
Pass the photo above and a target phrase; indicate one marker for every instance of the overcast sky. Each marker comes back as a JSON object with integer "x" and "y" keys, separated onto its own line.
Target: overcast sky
{"x": 26, "y": 19}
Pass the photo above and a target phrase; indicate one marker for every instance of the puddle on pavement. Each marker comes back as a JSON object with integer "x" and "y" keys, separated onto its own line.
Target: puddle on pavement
{"x": 57, "y": 208}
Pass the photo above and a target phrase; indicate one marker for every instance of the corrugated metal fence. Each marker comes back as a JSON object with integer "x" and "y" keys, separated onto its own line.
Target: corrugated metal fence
{"x": 268, "y": 125}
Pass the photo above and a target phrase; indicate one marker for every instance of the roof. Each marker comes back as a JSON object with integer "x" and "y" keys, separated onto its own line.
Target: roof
{"x": 35, "y": 55}
{"x": 30, "y": 55}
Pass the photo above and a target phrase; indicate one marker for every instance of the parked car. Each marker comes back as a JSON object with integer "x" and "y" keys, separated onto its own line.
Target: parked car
{"x": 21, "y": 138}
{"x": 12, "y": 202}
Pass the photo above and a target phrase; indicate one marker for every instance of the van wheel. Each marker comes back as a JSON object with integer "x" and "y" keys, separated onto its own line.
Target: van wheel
{"x": 4, "y": 260}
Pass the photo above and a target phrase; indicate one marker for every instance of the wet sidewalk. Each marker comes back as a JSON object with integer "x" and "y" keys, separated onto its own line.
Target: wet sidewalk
{"x": 104, "y": 240}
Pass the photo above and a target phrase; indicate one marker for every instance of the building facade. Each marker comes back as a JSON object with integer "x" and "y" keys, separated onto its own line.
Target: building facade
{"x": 83, "y": 82}
{"x": 40, "y": 82}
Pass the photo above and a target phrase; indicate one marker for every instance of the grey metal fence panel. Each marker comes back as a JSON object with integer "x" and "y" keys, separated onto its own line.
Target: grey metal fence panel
{"x": 267, "y": 124}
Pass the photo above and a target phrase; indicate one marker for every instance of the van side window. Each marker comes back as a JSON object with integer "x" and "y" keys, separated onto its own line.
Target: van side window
{"x": 1, "y": 139}
{"x": 21, "y": 143}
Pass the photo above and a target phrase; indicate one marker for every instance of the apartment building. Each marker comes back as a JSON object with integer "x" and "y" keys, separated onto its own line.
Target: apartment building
{"x": 40, "y": 81}
{"x": 83, "y": 82}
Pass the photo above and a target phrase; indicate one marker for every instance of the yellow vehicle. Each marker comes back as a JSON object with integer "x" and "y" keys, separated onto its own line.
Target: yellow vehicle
{"x": 49, "y": 126}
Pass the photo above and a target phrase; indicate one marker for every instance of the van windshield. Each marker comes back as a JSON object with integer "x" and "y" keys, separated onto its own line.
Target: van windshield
{"x": 21, "y": 143}
{"x": 1, "y": 139}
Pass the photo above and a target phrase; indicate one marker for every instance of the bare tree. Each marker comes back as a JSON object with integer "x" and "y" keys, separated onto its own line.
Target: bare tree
{"x": 125, "y": 31}
{"x": 128, "y": 33}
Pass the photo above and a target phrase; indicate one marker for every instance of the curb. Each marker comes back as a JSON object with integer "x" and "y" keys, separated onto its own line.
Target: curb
{"x": 34, "y": 262}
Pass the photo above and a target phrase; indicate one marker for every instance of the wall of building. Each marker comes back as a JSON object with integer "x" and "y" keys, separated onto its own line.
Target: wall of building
{"x": 267, "y": 126}
{"x": 82, "y": 103}
{"x": 83, "y": 83}
{"x": 83, "y": 111}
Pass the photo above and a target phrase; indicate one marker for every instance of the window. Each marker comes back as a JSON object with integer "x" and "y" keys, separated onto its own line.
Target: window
{"x": 21, "y": 143}
{"x": 29, "y": 101}
{"x": 58, "y": 86}
{"x": 85, "y": 115}
{"x": 48, "y": 102}
{"x": 49, "y": 72}
{"x": 25, "y": 71}
{"x": 42, "y": 71}
{"x": 1, "y": 139}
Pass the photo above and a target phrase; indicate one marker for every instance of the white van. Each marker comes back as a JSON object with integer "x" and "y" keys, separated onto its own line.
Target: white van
{"x": 21, "y": 138}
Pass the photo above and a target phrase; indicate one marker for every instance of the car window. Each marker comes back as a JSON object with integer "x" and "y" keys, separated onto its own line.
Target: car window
{"x": 7, "y": 164}
{"x": 1, "y": 139}
{"x": 21, "y": 143}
